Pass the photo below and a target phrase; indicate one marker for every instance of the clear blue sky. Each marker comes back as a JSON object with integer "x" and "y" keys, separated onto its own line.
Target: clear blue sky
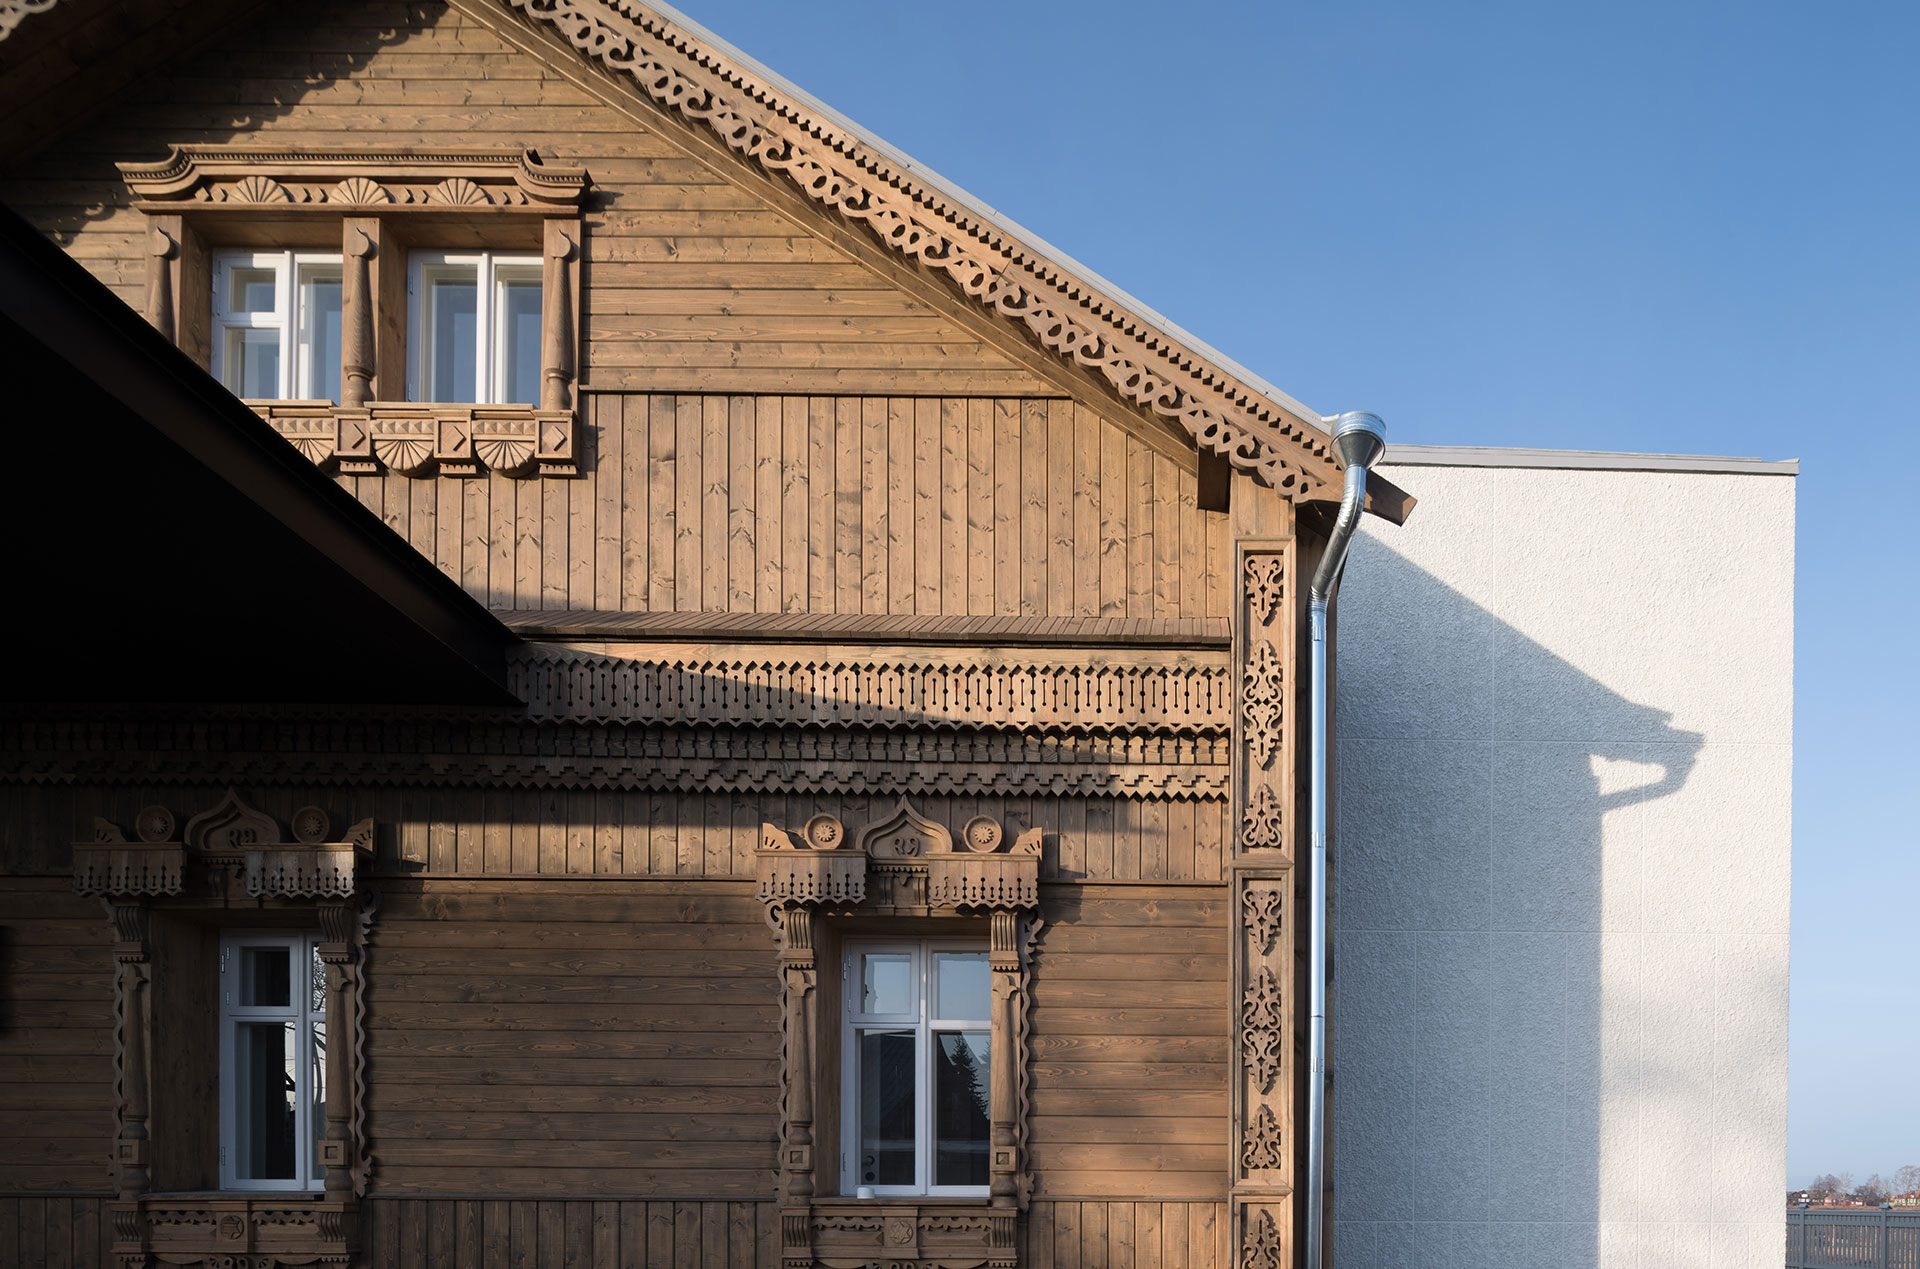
{"x": 1676, "y": 227}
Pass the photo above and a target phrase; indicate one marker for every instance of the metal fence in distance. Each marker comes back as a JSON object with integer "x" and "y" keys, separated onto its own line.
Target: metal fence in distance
{"x": 1836, "y": 1238}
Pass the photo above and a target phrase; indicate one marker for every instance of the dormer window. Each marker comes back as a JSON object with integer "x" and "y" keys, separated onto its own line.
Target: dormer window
{"x": 414, "y": 312}
{"x": 276, "y": 324}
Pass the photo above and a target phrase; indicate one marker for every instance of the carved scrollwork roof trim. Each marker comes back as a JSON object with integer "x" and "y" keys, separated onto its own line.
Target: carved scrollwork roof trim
{"x": 766, "y": 123}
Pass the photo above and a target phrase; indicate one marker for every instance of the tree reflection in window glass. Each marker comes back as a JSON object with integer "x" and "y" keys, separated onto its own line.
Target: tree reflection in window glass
{"x": 960, "y": 1115}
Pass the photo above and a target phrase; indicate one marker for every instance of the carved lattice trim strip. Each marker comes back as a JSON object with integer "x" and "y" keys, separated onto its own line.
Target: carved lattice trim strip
{"x": 581, "y": 686}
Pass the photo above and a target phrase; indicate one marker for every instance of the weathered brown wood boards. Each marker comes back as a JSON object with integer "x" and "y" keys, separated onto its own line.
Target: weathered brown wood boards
{"x": 901, "y": 792}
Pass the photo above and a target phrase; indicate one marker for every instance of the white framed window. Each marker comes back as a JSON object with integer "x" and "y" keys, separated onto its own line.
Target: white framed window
{"x": 473, "y": 327}
{"x": 916, "y": 1068}
{"x": 276, "y": 324}
{"x": 273, "y": 1061}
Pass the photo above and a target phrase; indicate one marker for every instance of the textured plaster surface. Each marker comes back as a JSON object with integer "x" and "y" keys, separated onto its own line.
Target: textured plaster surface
{"x": 1564, "y": 763}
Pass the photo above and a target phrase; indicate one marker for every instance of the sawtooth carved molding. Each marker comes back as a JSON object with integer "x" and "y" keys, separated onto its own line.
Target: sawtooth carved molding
{"x": 901, "y": 864}
{"x": 1187, "y": 698}
{"x": 517, "y": 754}
{"x": 227, "y": 865}
{"x": 1065, "y": 314}
{"x": 206, "y": 176}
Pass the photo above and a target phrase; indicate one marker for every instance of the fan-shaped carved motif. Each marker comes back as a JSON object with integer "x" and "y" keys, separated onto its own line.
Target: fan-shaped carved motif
{"x": 509, "y": 457}
{"x": 408, "y": 455}
{"x": 459, "y": 191}
{"x": 318, "y": 449}
{"x": 360, "y": 190}
{"x": 260, "y": 189}
{"x": 232, "y": 825}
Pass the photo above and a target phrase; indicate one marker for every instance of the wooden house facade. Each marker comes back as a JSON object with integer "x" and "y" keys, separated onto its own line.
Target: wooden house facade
{"x": 823, "y": 714}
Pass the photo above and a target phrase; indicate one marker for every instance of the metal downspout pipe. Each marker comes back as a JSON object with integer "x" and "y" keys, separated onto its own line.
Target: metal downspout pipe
{"x": 1358, "y": 439}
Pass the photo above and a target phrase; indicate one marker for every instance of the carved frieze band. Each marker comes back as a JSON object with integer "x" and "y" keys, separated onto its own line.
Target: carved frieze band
{"x": 355, "y": 180}
{"x": 416, "y": 440}
{"x": 1064, "y": 695}
{"x": 383, "y": 754}
{"x": 833, "y": 168}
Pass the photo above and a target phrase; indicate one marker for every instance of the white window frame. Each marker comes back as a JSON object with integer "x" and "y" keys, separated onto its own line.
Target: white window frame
{"x": 490, "y": 368}
{"x": 920, "y": 1017}
{"x": 307, "y": 1174}
{"x": 296, "y": 351}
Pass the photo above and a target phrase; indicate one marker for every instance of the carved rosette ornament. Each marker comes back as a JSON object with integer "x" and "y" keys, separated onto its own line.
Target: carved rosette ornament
{"x": 903, "y": 864}
{"x": 230, "y": 865}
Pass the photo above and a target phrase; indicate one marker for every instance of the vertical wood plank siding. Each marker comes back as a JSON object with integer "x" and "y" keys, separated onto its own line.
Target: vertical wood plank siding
{"x": 837, "y": 505}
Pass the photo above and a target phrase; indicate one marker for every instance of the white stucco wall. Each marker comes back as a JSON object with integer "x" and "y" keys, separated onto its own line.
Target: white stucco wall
{"x": 1561, "y": 871}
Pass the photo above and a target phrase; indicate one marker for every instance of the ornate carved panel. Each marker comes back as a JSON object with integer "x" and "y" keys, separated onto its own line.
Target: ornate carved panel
{"x": 384, "y": 180}
{"x": 235, "y": 1231}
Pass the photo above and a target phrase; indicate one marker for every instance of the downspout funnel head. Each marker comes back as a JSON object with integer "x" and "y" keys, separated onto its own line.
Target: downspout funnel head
{"x": 1359, "y": 438}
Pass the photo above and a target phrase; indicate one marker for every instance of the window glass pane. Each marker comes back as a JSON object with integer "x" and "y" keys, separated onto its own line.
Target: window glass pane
{"x": 318, "y": 297}
{"x": 316, "y": 981}
{"x": 253, "y": 362}
{"x": 317, "y": 1081}
{"x": 517, "y": 342}
{"x": 960, "y": 1108}
{"x": 250, "y": 289}
{"x": 452, "y": 317}
{"x": 264, "y": 1101}
{"x": 266, "y": 977}
{"x": 962, "y": 986}
{"x": 886, "y": 1108}
{"x": 886, "y": 982}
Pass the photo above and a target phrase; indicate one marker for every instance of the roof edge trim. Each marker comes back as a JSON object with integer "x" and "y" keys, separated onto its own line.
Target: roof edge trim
{"x": 1581, "y": 460}
{"x": 688, "y": 71}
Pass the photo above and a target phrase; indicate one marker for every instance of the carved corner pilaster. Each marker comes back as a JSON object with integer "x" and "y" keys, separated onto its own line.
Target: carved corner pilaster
{"x": 1264, "y": 656}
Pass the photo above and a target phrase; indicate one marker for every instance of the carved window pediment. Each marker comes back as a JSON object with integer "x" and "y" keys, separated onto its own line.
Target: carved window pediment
{"x": 230, "y": 845}
{"x": 903, "y": 861}
{"x": 253, "y": 177}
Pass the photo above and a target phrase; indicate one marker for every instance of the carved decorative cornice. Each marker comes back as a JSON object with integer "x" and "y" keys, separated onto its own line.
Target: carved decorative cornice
{"x": 194, "y": 177}
{"x": 1183, "y": 698}
{"x": 415, "y": 439}
{"x": 447, "y": 754}
{"x": 767, "y": 125}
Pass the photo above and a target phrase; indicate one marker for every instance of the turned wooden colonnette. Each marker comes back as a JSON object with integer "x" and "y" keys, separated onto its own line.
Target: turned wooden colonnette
{"x": 870, "y": 581}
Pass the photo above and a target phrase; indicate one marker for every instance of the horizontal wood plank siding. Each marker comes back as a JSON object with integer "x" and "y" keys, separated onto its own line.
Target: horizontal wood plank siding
{"x": 56, "y": 1038}
{"x": 693, "y": 282}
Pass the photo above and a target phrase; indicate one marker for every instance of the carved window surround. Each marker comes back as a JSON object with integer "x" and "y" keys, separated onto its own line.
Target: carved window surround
{"x": 816, "y": 880}
{"x": 230, "y": 866}
{"x": 375, "y": 205}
